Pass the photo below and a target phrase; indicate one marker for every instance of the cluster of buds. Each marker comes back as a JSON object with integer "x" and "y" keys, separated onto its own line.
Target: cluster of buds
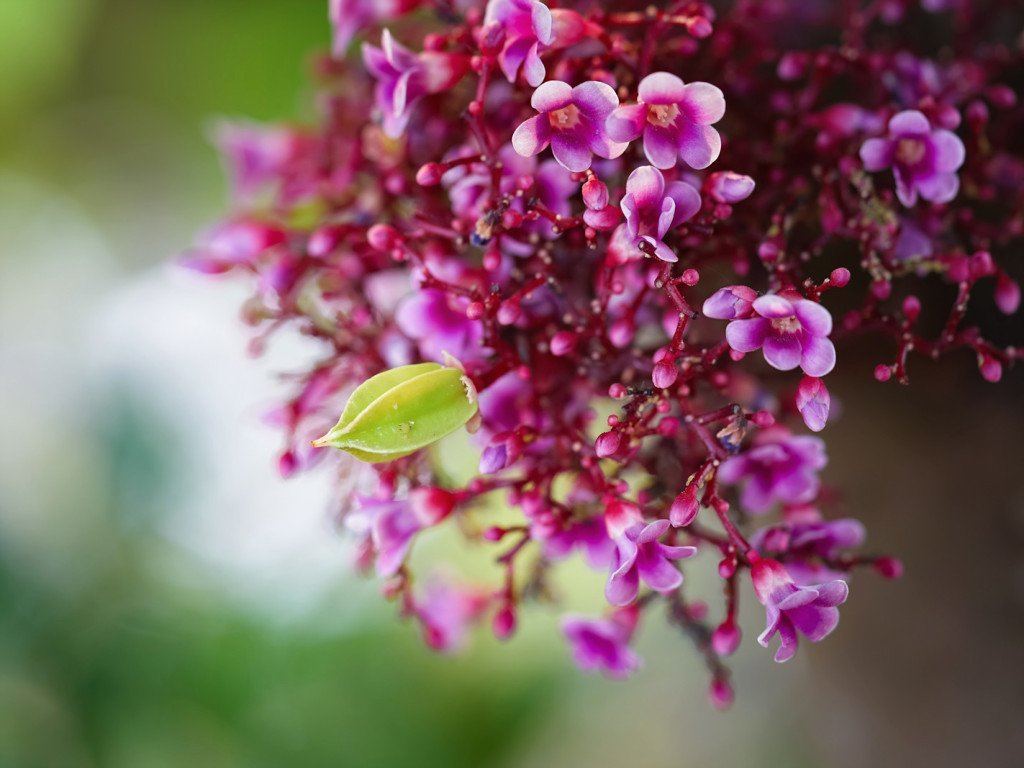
{"x": 523, "y": 216}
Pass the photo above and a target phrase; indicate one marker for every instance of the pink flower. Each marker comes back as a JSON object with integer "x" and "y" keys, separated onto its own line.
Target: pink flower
{"x": 675, "y": 120}
{"x": 652, "y": 208}
{"x": 639, "y": 556}
{"x": 808, "y": 543}
{"x": 923, "y": 160}
{"x": 348, "y": 17}
{"x": 793, "y": 332}
{"x": 404, "y": 77}
{"x": 792, "y": 610}
{"x": 447, "y": 611}
{"x": 392, "y": 524}
{"x": 527, "y": 27}
{"x": 602, "y": 644}
{"x": 590, "y": 536}
{"x": 572, "y": 121}
{"x": 429, "y": 317}
{"x": 777, "y": 467}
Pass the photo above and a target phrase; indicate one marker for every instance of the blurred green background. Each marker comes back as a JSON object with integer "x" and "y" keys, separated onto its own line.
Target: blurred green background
{"x": 165, "y": 600}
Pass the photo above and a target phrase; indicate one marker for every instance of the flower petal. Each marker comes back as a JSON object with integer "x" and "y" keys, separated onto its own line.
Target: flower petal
{"x": 661, "y": 146}
{"x": 782, "y": 351}
{"x": 905, "y": 189}
{"x": 570, "y": 151}
{"x": 661, "y": 88}
{"x": 533, "y": 67}
{"x": 699, "y": 145}
{"x": 595, "y": 99}
{"x": 747, "y": 335}
{"x": 949, "y": 151}
{"x": 646, "y": 186}
{"x": 532, "y": 136}
{"x": 817, "y": 356}
{"x": 909, "y": 121}
{"x": 703, "y": 103}
{"x": 552, "y": 95}
{"x": 813, "y": 317}
{"x": 687, "y": 200}
{"x": 876, "y": 154}
{"x": 774, "y": 306}
{"x": 626, "y": 122}
{"x": 939, "y": 187}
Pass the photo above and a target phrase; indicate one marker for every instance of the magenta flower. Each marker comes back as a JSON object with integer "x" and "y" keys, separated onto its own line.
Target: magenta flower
{"x": 429, "y": 317}
{"x": 923, "y": 160}
{"x": 793, "y": 332}
{"x": 527, "y": 27}
{"x": 777, "y": 467}
{"x": 652, "y": 208}
{"x": 590, "y": 536}
{"x": 601, "y": 644}
{"x": 675, "y": 120}
{"x": 639, "y": 556}
{"x": 572, "y": 121}
{"x": 447, "y": 611}
{"x": 810, "y": 544}
{"x": 392, "y": 524}
{"x": 792, "y": 610}
{"x": 348, "y": 17}
{"x": 404, "y": 77}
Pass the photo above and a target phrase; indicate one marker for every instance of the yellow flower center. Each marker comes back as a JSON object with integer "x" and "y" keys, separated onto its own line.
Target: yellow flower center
{"x": 662, "y": 115}
{"x": 564, "y": 118}
{"x": 910, "y": 151}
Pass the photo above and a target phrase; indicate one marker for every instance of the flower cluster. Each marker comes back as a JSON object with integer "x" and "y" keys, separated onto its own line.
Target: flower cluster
{"x": 656, "y": 214}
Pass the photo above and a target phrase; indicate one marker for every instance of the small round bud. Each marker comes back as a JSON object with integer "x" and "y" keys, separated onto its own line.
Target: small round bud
{"x": 840, "y": 277}
{"x": 430, "y": 174}
{"x": 883, "y": 372}
{"x": 607, "y": 444}
{"x": 888, "y": 567}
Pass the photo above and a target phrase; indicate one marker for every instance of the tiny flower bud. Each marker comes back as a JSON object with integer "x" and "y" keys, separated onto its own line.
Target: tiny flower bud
{"x": 911, "y": 308}
{"x": 383, "y": 237}
{"x": 431, "y": 505}
{"x": 690, "y": 277}
{"x": 726, "y": 638}
{"x": 883, "y": 372}
{"x": 888, "y": 567}
{"x": 562, "y": 343}
{"x": 763, "y": 419}
{"x": 840, "y": 277}
{"x": 1007, "y": 294}
{"x": 430, "y": 174}
{"x": 595, "y": 194}
{"x": 991, "y": 369}
{"x": 607, "y": 444}
{"x": 684, "y": 508}
{"x": 504, "y": 623}
{"x": 665, "y": 374}
{"x": 721, "y": 694}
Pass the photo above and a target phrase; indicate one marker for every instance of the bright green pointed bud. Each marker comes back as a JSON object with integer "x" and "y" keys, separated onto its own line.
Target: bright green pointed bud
{"x": 402, "y": 410}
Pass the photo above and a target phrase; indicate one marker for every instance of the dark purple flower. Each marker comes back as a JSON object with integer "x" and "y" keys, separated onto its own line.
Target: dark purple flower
{"x": 404, "y": 77}
{"x": 792, "y": 610}
{"x": 572, "y": 121}
{"x": 793, "y": 332}
{"x": 639, "y": 556}
{"x": 601, "y": 644}
{"x": 777, "y": 467}
{"x": 675, "y": 120}
{"x": 923, "y": 159}
{"x": 652, "y": 208}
